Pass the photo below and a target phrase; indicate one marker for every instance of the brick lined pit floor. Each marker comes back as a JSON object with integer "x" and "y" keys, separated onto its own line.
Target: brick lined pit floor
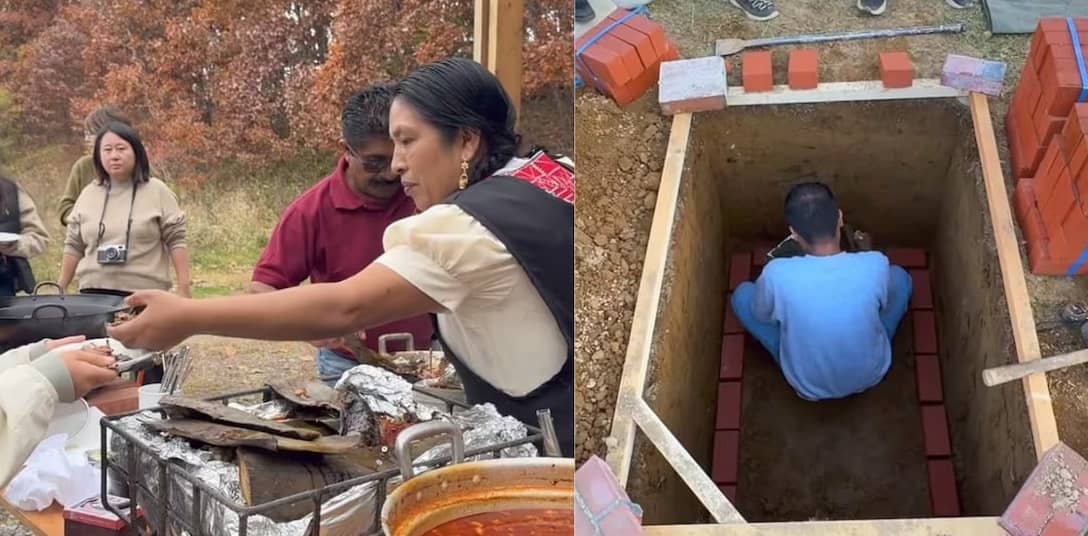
{"x": 884, "y": 453}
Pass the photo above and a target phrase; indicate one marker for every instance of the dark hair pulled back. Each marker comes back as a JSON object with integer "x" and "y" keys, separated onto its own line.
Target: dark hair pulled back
{"x": 458, "y": 94}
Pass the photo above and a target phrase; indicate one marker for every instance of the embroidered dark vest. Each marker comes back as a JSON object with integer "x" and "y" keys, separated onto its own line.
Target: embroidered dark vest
{"x": 13, "y": 269}
{"x": 532, "y": 213}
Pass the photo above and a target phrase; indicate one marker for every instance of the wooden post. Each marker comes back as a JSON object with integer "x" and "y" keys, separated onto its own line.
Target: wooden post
{"x": 498, "y": 38}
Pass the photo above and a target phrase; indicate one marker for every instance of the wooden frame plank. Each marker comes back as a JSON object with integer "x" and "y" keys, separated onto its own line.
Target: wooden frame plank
{"x": 636, "y": 363}
{"x": 689, "y": 470}
{"x": 1044, "y": 428}
{"x": 869, "y": 90}
{"x": 975, "y": 526}
{"x": 506, "y": 37}
{"x": 481, "y": 10}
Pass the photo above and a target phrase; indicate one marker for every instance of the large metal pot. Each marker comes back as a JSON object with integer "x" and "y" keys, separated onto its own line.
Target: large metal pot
{"x": 462, "y": 490}
{"x": 27, "y": 319}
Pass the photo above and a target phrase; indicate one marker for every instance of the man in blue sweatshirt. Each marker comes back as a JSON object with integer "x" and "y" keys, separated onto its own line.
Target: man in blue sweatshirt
{"x": 828, "y": 316}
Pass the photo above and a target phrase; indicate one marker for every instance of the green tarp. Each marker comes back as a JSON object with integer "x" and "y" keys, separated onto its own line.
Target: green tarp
{"x": 1021, "y": 16}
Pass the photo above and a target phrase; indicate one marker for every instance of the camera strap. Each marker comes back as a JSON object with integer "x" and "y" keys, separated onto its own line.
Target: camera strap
{"x": 102, "y": 218}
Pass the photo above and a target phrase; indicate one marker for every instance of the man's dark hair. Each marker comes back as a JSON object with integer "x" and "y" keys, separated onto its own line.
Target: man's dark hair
{"x": 366, "y": 115}
{"x": 812, "y": 211}
{"x": 141, "y": 170}
{"x": 98, "y": 119}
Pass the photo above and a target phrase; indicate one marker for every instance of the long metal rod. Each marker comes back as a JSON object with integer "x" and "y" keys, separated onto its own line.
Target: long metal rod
{"x": 852, "y": 36}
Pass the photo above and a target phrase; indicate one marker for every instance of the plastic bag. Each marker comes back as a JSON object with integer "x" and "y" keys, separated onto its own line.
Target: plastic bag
{"x": 51, "y": 474}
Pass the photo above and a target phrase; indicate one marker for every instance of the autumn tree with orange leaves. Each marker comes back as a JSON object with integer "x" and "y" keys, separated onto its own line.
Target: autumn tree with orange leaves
{"x": 242, "y": 80}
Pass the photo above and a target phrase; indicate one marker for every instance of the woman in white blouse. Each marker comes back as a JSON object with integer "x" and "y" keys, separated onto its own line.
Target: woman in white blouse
{"x": 491, "y": 254}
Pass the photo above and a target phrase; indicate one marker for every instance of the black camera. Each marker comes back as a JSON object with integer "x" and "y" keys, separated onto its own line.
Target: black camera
{"x": 112, "y": 255}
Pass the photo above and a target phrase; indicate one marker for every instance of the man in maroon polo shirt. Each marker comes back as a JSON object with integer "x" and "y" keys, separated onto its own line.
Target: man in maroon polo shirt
{"x": 334, "y": 229}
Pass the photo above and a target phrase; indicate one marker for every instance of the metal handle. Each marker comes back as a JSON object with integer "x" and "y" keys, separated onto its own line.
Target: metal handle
{"x": 48, "y": 284}
{"x": 426, "y": 430}
{"x": 406, "y": 338}
{"x": 547, "y": 427}
{"x": 63, "y": 309}
{"x": 851, "y": 36}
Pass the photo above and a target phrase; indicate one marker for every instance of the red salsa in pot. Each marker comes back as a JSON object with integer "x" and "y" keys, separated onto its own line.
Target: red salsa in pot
{"x": 523, "y": 522}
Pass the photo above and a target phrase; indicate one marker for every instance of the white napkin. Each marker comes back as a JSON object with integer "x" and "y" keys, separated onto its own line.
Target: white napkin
{"x": 53, "y": 474}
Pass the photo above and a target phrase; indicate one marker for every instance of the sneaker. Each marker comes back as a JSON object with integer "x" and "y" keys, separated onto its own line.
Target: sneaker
{"x": 873, "y": 7}
{"x": 583, "y": 12}
{"x": 760, "y": 10}
{"x": 960, "y": 4}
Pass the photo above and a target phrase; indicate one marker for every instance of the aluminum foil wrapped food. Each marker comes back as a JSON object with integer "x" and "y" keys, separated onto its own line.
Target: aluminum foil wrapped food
{"x": 377, "y": 404}
{"x": 350, "y": 513}
{"x": 482, "y": 426}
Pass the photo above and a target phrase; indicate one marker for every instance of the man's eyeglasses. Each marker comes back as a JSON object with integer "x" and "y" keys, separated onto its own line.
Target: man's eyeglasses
{"x": 372, "y": 164}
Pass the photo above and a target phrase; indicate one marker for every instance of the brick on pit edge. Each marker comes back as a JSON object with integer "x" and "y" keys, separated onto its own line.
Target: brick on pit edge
{"x": 935, "y": 431}
{"x": 896, "y": 69}
{"x": 927, "y": 368}
{"x": 726, "y": 456}
{"x": 730, "y": 403}
{"x": 922, "y": 297}
{"x": 693, "y": 85}
{"x": 732, "y": 365}
{"x": 740, "y": 269}
{"x": 943, "y": 496}
{"x": 925, "y": 332}
{"x": 804, "y": 69}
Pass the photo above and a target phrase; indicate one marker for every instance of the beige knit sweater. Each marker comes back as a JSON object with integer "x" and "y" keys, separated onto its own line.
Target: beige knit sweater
{"x": 158, "y": 227}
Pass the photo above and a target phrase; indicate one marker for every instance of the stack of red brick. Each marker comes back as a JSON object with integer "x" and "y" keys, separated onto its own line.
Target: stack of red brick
{"x": 1046, "y": 130}
{"x": 944, "y": 500}
{"x": 623, "y": 63}
{"x": 726, "y": 462}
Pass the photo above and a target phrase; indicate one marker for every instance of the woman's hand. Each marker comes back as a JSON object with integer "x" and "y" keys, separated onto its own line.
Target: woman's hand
{"x": 89, "y": 370}
{"x": 53, "y": 345}
{"x": 162, "y": 324}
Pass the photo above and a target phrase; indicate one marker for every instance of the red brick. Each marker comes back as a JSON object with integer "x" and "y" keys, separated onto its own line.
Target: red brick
{"x": 925, "y": 332}
{"x": 740, "y": 269}
{"x": 804, "y": 69}
{"x": 732, "y": 366}
{"x": 729, "y": 406}
{"x": 644, "y": 25}
{"x": 630, "y": 92}
{"x": 1061, "y": 84}
{"x": 1075, "y": 232}
{"x": 757, "y": 71}
{"x": 603, "y": 69}
{"x": 1027, "y": 212}
{"x": 923, "y": 294}
{"x": 1029, "y": 89}
{"x": 943, "y": 496}
{"x": 627, "y": 53}
{"x": 730, "y": 492}
{"x": 927, "y": 369}
{"x": 1073, "y": 132}
{"x": 641, "y": 43}
{"x": 935, "y": 431}
{"x": 1023, "y": 143}
{"x": 732, "y": 323}
{"x": 1062, "y": 200}
{"x": 896, "y": 69}
{"x": 1045, "y": 180}
{"x": 726, "y": 456}
{"x": 907, "y": 257}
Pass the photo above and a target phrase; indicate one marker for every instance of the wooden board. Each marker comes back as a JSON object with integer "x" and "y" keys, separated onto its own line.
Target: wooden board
{"x": 1044, "y": 427}
{"x": 48, "y": 522}
{"x": 867, "y": 90}
{"x": 974, "y": 526}
{"x": 189, "y": 407}
{"x": 265, "y": 477}
{"x": 220, "y": 435}
{"x": 637, "y": 361}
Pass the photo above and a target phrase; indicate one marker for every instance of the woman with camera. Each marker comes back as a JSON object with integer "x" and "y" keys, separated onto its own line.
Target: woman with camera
{"x": 126, "y": 227}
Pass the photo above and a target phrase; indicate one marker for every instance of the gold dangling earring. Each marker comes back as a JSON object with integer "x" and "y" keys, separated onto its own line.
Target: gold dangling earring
{"x": 464, "y": 175}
